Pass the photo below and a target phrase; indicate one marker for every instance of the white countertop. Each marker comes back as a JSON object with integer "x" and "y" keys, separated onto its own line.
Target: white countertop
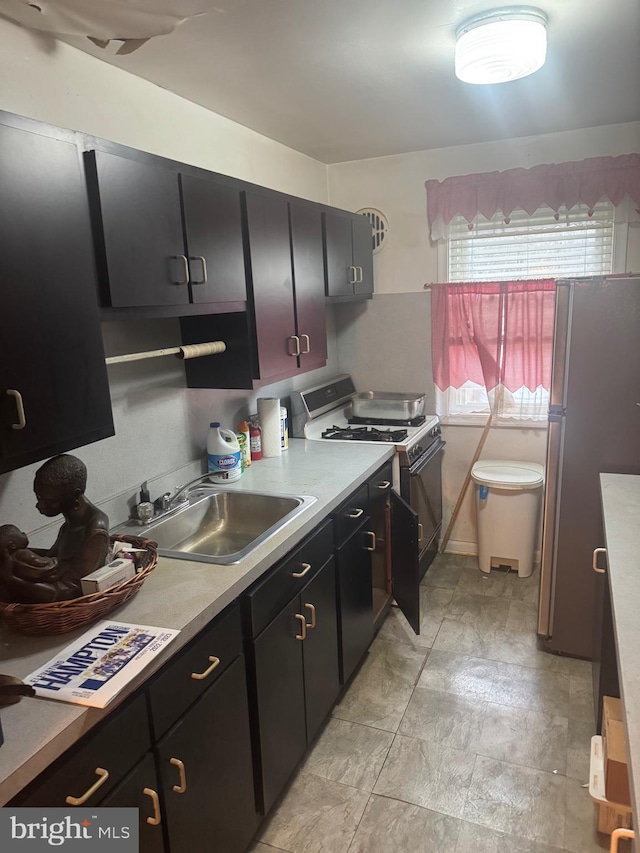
{"x": 621, "y": 508}
{"x": 178, "y": 594}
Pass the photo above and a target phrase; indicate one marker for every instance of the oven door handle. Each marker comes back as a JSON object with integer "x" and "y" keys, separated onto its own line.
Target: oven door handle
{"x": 427, "y": 457}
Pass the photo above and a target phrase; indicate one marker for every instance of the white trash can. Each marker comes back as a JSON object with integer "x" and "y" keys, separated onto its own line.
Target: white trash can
{"x": 507, "y": 506}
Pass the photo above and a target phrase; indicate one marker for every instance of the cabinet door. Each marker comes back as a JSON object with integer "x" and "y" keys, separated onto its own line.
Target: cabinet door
{"x": 338, "y": 255}
{"x": 140, "y": 790}
{"x": 209, "y": 801}
{"x": 320, "y": 647}
{"x": 279, "y": 695}
{"x": 308, "y": 276}
{"x": 54, "y": 393}
{"x": 213, "y": 225}
{"x": 138, "y": 232}
{"x": 362, "y": 255}
{"x": 355, "y": 599}
{"x": 405, "y": 559}
{"x": 379, "y": 488}
{"x": 271, "y": 284}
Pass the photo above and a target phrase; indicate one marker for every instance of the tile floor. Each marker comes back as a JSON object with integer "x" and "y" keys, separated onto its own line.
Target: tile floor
{"x": 466, "y": 739}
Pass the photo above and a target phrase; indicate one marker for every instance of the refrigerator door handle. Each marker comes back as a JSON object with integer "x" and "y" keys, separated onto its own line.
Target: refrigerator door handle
{"x": 595, "y": 566}
{"x": 551, "y": 511}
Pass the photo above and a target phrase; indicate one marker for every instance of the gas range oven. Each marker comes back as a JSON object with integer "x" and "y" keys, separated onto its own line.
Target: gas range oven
{"x": 325, "y": 413}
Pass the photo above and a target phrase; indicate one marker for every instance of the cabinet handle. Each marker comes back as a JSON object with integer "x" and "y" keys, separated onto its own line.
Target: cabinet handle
{"x": 371, "y": 547}
{"x": 185, "y": 264}
{"x": 420, "y": 532}
{"x": 384, "y": 484}
{"x": 311, "y": 624}
{"x": 617, "y": 834}
{"x": 22, "y": 421}
{"x": 595, "y": 566}
{"x": 354, "y": 273}
{"x": 306, "y": 568}
{"x": 359, "y": 279}
{"x": 303, "y": 627}
{"x": 182, "y": 787}
{"x": 78, "y": 801}
{"x": 355, "y": 513}
{"x": 202, "y": 260}
{"x": 308, "y": 349}
{"x": 297, "y": 340}
{"x": 155, "y": 820}
{"x": 214, "y": 661}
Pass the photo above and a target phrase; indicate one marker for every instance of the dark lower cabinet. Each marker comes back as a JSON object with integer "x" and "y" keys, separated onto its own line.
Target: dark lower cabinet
{"x": 140, "y": 790}
{"x": 320, "y": 648}
{"x": 280, "y": 704}
{"x": 206, "y": 771}
{"x": 355, "y": 598}
{"x": 295, "y": 672}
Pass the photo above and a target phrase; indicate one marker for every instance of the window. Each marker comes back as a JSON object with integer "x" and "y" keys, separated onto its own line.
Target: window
{"x": 544, "y": 245}
{"x": 491, "y": 348}
{"x": 521, "y": 247}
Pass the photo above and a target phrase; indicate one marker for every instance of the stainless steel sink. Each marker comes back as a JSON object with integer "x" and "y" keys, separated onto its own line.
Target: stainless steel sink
{"x": 220, "y": 526}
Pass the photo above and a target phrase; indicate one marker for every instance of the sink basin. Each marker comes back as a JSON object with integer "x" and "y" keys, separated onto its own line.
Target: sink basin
{"x": 221, "y": 526}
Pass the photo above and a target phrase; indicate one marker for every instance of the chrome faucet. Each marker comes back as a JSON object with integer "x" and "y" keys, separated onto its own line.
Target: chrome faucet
{"x": 167, "y": 503}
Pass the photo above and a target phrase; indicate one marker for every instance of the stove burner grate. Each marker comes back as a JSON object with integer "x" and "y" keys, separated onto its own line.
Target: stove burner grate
{"x": 365, "y": 434}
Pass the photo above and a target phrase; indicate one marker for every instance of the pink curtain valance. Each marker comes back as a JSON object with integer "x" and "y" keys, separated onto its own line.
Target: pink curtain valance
{"x": 554, "y": 185}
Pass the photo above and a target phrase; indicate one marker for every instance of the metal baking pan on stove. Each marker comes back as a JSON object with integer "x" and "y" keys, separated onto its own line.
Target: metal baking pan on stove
{"x": 387, "y": 405}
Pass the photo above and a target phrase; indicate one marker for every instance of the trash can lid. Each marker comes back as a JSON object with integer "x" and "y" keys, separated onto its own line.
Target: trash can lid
{"x": 504, "y": 474}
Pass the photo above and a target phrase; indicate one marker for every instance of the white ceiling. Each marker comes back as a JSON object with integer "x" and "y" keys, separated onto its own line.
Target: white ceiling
{"x": 351, "y": 79}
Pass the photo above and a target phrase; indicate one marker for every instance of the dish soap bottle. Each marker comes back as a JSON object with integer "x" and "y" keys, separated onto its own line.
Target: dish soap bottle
{"x": 223, "y": 454}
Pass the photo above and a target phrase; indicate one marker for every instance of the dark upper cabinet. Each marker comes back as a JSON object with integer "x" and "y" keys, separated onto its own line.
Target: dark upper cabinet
{"x": 54, "y": 392}
{"x": 271, "y": 278}
{"x": 283, "y": 332}
{"x": 308, "y": 278}
{"x": 348, "y": 255}
{"x": 163, "y": 239}
{"x": 213, "y": 229}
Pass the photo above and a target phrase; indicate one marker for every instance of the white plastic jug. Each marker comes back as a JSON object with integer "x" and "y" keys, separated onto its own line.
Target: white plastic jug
{"x": 223, "y": 454}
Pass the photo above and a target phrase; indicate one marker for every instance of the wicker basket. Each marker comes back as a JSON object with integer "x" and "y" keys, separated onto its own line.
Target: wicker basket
{"x": 58, "y": 617}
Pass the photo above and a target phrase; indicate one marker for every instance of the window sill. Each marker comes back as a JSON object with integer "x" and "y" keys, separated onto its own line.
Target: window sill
{"x": 481, "y": 420}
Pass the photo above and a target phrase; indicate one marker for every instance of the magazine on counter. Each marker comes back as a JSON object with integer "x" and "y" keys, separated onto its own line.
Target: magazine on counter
{"x": 94, "y": 668}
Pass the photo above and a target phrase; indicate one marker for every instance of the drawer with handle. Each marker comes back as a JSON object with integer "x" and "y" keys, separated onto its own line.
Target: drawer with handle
{"x": 273, "y": 592}
{"x": 188, "y": 675}
{"x": 350, "y": 514}
{"x": 92, "y": 768}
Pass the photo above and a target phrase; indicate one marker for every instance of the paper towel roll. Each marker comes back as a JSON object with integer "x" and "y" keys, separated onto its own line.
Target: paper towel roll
{"x": 269, "y": 415}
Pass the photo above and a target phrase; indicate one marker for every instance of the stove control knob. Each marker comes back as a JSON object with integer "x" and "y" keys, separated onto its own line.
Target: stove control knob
{"x": 416, "y": 450}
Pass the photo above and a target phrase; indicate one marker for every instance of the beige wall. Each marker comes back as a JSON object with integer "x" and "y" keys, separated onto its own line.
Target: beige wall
{"x": 53, "y": 82}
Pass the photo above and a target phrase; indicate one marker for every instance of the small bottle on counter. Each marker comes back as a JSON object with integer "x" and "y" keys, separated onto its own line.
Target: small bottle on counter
{"x": 244, "y": 440}
{"x": 284, "y": 429}
{"x": 255, "y": 440}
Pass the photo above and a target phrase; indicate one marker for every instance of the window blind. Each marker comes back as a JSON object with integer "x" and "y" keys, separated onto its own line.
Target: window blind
{"x": 544, "y": 245}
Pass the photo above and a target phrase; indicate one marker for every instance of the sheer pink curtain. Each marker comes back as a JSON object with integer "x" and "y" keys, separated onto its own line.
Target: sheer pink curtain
{"x": 493, "y": 334}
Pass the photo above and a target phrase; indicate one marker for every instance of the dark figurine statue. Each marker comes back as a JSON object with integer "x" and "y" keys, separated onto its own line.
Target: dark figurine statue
{"x": 39, "y": 576}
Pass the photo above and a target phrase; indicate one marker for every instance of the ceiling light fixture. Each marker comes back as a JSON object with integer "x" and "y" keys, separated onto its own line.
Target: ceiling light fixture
{"x": 501, "y": 45}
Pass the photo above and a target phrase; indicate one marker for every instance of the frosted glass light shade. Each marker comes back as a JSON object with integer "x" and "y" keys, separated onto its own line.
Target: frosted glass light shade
{"x": 499, "y": 46}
